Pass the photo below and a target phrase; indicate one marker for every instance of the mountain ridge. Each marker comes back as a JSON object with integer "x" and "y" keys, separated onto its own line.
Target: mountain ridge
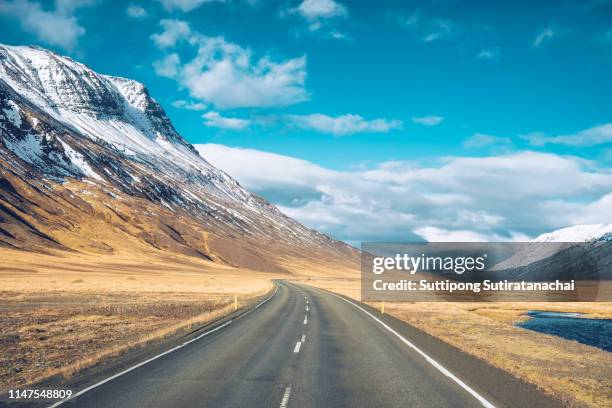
{"x": 78, "y": 146}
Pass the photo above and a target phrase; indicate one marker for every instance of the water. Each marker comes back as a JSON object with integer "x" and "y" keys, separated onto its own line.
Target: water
{"x": 594, "y": 332}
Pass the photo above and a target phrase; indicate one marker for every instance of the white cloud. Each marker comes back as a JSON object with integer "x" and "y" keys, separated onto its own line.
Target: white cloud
{"x": 314, "y": 10}
{"x": 490, "y": 54}
{"x": 184, "y": 5}
{"x": 435, "y": 234}
{"x": 337, "y": 35}
{"x": 168, "y": 67}
{"x": 56, "y": 27}
{"x": 214, "y": 119}
{"x": 480, "y": 140}
{"x": 506, "y": 197}
{"x": 228, "y": 76}
{"x": 440, "y": 29}
{"x": 173, "y": 31}
{"x": 428, "y": 120}
{"x": 344, "y": 124}
{"x": 544, "y": 35}
{"x": 594, "y": 136}
{"x": 195, "y": 106}
{"x": 411, "y": 21}
{"x": 318, "y": 13}
{"x": 136, "y": 11}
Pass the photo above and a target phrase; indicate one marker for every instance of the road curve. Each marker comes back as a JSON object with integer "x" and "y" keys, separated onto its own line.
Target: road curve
{"x": 307, "y": 347}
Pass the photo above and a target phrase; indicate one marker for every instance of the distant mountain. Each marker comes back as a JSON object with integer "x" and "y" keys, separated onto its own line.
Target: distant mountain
{"x": 578, "y": 252}
{"x": 91, "y": 162}
{"x": 577, "y": 233}
{"x": 550, "y": 243}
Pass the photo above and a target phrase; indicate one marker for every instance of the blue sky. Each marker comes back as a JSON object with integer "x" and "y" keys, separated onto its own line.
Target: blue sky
{"x": 352, "y": 88}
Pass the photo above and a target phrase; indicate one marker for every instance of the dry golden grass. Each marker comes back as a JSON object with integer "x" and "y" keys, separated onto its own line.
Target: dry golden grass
{"x": 61, "y": 313}
{"x": 577, "y": 374}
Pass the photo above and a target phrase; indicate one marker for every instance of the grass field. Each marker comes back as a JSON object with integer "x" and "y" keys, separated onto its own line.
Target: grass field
{"x": 60, "y": 313}
{"x": 576, "y": 373}
{"x": 64, "y": 312}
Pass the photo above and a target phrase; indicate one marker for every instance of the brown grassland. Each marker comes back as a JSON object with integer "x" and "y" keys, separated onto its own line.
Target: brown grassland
{"x": 60, "y": 313}
{"x": 65, "y": 312}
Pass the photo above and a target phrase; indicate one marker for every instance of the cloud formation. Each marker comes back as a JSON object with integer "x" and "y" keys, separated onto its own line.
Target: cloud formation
{"x": 504, "y": 197}
{"x": 428, "y": 120}
{"x": 136, "y": 11}
{"x": 194, "y": 106}
{"x": 184, "y": 5}
{"x": 227, "y": 75}
{"x": 343, "y": 125}
{"x": 57, "y": 27}
{"x": 168, "y": 67}
{"x": 316, "y": 12}
{"x": 597, "y": 135}
{"x": 214, "y": 119}
{"x": 439, "y": 29}
{"x": 173, "y": 31}
{"x": 490, "y": 54}
{"x": 480, "y": 140}
{"x": 544, "y": 35}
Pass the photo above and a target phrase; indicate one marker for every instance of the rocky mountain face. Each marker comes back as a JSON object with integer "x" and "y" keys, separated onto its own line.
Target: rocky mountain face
{"x": 91, "y": 162}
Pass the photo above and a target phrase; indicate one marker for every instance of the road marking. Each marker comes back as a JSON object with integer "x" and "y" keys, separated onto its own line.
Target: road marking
{"x": 303, "y": 338}
{"x": 83, "y": 391}
{"x": 285, "y": 399}
{"x": 91, "y": 387}
{"x": 306, "y": 319}
{"x": 306, "y": 301}
{"x": 297, "y": 347}
{"x": 306, "y": 307}
{"x": 430, "y": 360}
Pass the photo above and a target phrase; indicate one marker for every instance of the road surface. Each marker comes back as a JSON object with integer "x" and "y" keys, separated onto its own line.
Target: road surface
{"x": 306, "y": 347}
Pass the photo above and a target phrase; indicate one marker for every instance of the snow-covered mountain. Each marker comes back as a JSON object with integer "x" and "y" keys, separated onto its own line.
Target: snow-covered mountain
{"x": 78, "y": 146}
{"x": 584, "y": 250}
{"x": 577, "y": 233}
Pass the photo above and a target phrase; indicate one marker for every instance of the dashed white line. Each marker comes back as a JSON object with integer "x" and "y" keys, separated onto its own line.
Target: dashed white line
{"x": 298, "y": 345}
{"x": 306, "y": 307}
{"x": 306, "y": 319}
{"x": 285, "y": 399}
{"x": 303, "y": 338}
{"x": 430, "y": 360}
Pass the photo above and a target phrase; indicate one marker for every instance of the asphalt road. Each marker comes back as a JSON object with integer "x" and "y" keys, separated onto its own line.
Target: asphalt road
{"x": 306, "y": 347}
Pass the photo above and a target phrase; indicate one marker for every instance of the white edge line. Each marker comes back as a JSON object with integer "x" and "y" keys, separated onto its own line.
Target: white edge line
{"x": 297, "y": 347}
{"x": 430, "y": 360}
{"x": 91, "y": 387}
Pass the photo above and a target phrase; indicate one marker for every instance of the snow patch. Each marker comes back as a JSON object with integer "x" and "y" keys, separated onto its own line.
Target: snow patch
{"x": 28, "y": 149}
{"x": 78, "y": 161}
{"x": 577, "y": 233}
{"x": 13, "y": 113}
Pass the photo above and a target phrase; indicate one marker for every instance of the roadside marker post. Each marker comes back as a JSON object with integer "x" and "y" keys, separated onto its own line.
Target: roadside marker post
{"x": 382, "y": 308}
{"x": 235, "y": 302}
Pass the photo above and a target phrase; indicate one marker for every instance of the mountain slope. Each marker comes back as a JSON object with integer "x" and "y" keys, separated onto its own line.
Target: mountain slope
{"x": 91, "y": 162}
{"x": 577, "y": 233}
